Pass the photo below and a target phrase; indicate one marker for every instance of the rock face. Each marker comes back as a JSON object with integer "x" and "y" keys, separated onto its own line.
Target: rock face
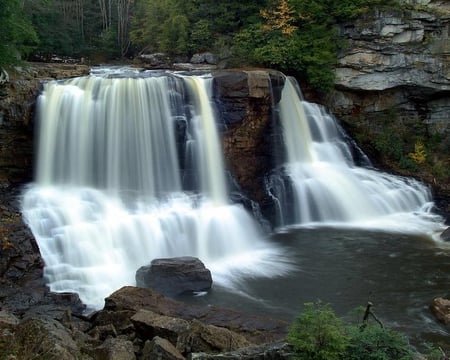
{"x": 17, "y": 106}
{"x": 244, "y": 100}
{"x": 393, "y": 76}
{"x": 175, "y": 276}
{"x": 445, "y": 236}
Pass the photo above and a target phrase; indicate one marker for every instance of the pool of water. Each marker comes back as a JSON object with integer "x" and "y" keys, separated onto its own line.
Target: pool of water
{"x": 400, "y": 274}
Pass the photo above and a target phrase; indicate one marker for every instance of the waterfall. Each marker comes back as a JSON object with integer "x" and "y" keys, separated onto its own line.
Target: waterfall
{"x": 319, "y": 183}
{"x": 115, "y": 152}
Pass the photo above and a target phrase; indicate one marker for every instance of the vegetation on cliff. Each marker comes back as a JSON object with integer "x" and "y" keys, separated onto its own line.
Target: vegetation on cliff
{"x": 295, "y": 36}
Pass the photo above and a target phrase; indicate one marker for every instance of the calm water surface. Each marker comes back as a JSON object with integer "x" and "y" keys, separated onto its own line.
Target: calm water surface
{"x": 400, "y": 274}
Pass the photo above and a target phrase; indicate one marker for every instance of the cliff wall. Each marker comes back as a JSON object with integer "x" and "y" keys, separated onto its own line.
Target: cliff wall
{"x": 392, "y": 87}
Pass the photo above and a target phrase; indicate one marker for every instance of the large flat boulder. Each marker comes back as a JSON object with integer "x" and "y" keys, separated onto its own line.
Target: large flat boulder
{"x": 175, "y": 276}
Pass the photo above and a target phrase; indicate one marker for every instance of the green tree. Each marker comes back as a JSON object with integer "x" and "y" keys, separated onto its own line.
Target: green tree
{"x": 174, "y": 39}
{"x": 17, "y": 36}
{"x": 317, "y": 334}
{"x": 147, "y": 24}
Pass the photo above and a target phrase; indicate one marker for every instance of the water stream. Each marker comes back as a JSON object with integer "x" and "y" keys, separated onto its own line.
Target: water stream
{"x": 321, "y": 185}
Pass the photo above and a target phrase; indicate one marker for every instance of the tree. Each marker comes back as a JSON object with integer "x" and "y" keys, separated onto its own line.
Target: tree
{"x": 17, "y": 35}
{"x": 123, "y": 37}
{"x": 318, "y": 334}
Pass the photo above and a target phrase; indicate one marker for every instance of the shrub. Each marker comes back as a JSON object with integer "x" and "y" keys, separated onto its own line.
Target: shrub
{"x": 419, "y": 155}
{"x": 377, "y": 343}
{"x": 317, "y": 334}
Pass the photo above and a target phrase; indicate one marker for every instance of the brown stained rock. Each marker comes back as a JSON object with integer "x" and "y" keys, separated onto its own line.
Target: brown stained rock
{"x": 256, "y": 329}
{"x": 159, "y": 348}
{"x": 440, "y": 308}
{"x": 115, "y": 349}
{"x": 210, "y": 339}
{"x": 149, "y": 324}
{"x": 121, "y": 320}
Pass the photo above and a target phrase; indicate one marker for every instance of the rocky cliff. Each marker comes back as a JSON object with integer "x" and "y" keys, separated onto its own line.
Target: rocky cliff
{"x": 17, "y": 104}
{"x": 393, "y": 87}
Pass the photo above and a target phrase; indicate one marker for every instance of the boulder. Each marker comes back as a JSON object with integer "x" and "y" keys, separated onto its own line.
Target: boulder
{"x": 159, "y": 348}
{"x": 46, "y": 338}
{"x": 445, "y": 236}
{"x": 115, "y": 349}
{"x": 156, "y": 60}
{"x": 149, "y": 324}
{"x": 187, "y": 336}
{"x": 204, "y": 58}
{"x": 175, "y": 276}
{"x": 440, "y": 308}
{"x": 209, "y": 338}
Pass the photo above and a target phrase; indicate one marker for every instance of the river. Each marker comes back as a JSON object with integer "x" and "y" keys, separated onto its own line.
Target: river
{"x": 400, "y": 274}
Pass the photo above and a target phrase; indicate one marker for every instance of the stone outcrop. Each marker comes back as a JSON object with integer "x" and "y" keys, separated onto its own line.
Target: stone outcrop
{"x": 17, "y": 106}
{"x": 175, "y": 276}
{"x": 244, "y": 100}
{"x": 445, "y": 236}
{"x": 393, "y": 75}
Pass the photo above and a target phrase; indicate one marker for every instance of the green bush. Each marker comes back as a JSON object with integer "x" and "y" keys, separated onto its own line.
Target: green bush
{"x": 377, "y": 343}
{"x": 318, "y": 334}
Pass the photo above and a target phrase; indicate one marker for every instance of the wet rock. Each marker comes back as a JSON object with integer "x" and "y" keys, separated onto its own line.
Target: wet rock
{"x": 121, "y": 320}
{"x": 256, "y": 329}
{"x": 445, "y": 236}
{"x": 175, "y": 276}
{"x": 440, "y": 308}
{"x": 149, "y": 324}
{"x": 209, "y": 338}
{"x": 159, "y": 348}
{"x": 115, "y": 349}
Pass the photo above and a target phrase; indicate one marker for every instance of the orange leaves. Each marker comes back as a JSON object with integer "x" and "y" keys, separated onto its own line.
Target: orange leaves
{"x": 281, "y": 18}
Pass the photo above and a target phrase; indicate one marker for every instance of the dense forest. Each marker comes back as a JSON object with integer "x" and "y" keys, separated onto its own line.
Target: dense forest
{"x": 294, "y": 36}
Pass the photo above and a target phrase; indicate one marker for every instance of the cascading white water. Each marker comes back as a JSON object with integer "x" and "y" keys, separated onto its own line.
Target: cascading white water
{"x": 108, "y": 196}
{"x": 325, "y": 187}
